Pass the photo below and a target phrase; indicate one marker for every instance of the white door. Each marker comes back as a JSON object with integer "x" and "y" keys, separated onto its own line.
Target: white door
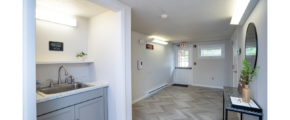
{"x": 183, "y": 65}
{"x": 235, "y": 73}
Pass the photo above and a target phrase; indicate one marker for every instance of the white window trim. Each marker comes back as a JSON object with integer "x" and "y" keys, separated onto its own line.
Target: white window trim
{"x": 199, "y": 47}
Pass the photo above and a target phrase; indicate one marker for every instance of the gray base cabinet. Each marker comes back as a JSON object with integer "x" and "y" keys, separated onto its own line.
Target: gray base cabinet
{"x": 91, "y": 105}
{"x": 63, "y": 114}
{"x": 91, "y": 110}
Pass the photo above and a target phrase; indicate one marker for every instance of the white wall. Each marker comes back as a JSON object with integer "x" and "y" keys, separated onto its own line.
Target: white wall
{"x": 259, "y": 85}
{"x": 157, "y": 66}
{"x": 220, "y": 69}
{"x": 103, "y": 51}
{"x": 79, "y": 71}
{"x": 75, "y": 40}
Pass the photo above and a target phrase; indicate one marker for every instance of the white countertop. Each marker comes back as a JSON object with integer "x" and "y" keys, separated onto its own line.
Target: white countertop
{"x": 96, "y": 85}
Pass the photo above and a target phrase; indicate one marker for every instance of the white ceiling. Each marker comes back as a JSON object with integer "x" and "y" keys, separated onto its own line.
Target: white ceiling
{"x": 81, "y": 8}
{"x": 188, "y": 20}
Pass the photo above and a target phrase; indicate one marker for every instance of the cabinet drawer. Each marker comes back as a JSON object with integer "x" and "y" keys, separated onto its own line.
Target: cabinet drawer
{"x": 59, "y": 103}
{"x": 63, "y": 114}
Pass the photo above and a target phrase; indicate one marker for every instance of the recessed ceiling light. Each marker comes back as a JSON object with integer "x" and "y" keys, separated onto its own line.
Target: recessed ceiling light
{"x": 163, "y": 16}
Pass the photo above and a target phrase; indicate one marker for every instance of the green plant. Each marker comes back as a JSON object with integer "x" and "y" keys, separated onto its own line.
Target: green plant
{"x": 246, "y": 71}
{"x": 81, "y": 54}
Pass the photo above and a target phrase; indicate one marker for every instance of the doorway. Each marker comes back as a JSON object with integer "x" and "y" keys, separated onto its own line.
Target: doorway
{"x": 183, "y": 66}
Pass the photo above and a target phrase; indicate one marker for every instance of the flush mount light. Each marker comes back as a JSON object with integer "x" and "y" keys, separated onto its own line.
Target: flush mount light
{"x": 158, "y": 41}
{"x": 42, "y": 15}
{"x": 163, "y": 16}
{"x": 240, "y": 8}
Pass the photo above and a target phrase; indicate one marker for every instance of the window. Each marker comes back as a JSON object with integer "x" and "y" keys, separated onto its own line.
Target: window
{"x": 250, "y": 51}
{"x": 211, "y": 51}
{"x": 183, "y": 58}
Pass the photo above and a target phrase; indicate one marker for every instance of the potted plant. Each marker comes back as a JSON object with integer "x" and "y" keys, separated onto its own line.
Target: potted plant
{"x": 247, "y": 75}
{"x": 81, "y": 56}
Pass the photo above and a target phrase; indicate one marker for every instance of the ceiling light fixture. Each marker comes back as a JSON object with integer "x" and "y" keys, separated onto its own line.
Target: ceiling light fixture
{"x": 163, "y": 16}
{"x": 158, "y": 41}
{"x": 42, "y": 15}
{"x": 240, "y": 8}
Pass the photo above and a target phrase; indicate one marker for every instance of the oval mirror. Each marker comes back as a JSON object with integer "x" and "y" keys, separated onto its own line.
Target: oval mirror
{"x": 251, "y": 49}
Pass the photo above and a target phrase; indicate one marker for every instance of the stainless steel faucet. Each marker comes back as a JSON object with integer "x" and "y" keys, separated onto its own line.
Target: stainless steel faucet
{"x": 59, "y": 79}
{"x": 71, "y": 78}
{"x": 51, "y": 82}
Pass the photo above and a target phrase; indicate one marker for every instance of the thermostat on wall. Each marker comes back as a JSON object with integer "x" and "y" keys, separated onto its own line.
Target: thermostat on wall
{"x": 239, "y": 51}
{"x": 139, "y": 65}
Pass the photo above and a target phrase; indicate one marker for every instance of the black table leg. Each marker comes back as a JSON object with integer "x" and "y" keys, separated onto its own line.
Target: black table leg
{"x": 261, "y": 118}
{"x": 226, "y": 114}
{"x": 223, "y": 106}
{"x": 241, "y": 116}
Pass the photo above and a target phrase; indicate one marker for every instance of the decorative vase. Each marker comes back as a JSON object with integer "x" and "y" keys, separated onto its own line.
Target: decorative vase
{"x": 242, "y": 83}
{"x": 246, "y": 94}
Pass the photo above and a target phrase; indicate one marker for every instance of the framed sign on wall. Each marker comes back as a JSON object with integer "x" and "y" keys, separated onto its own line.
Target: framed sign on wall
{"x": 149, "y": 46}
{"x": 55, "y": 46}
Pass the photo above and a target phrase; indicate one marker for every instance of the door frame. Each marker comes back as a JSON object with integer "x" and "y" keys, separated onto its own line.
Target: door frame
{"x": 122, "y": 86}
{"x": 234, "y": 43}
{"x": 29, "y": 62}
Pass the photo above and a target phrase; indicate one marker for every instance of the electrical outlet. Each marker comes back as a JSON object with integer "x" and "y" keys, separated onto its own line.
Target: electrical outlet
{"x": 212, "y": 78}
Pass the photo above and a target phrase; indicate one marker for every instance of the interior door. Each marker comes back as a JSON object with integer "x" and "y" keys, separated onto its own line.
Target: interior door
{"x": 235, "y": 55}
{"x": 183, "y": 66}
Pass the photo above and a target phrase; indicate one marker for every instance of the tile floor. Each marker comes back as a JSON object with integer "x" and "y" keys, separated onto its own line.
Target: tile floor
{"x": 181, "y": 103}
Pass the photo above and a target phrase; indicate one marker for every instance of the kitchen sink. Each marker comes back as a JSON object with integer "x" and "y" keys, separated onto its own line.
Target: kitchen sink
{"x": 63, "y": 88}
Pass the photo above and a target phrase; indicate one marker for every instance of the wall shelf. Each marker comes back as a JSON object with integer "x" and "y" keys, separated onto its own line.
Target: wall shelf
{"x": 62, "y": 62}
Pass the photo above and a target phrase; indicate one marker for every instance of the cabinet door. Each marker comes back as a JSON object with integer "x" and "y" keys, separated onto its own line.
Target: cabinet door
{"x": 62, "y": 114}
{"x": 90, "y": 110}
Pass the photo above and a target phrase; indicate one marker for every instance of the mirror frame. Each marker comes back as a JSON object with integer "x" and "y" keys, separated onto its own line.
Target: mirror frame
{"x": 256, "y": 44}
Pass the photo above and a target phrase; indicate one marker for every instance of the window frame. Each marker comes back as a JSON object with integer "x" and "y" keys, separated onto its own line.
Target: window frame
{"x": 222, "y": 46}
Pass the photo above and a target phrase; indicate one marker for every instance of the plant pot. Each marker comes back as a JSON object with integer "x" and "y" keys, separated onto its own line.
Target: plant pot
{"x": 82, "y": 58}
{"x": 246, "y": 94}
{"x": 241, "y": 83}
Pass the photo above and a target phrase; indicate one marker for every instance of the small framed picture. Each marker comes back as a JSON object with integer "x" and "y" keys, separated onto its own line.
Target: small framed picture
{"x": 55, "y": 46}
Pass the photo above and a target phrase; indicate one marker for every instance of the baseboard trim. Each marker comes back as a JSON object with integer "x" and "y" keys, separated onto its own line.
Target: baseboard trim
{"x": 208, "y": 86}
{"x": 138, "y": 99}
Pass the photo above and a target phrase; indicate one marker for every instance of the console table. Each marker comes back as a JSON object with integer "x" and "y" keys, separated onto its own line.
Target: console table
{"x": 227, "y": 106}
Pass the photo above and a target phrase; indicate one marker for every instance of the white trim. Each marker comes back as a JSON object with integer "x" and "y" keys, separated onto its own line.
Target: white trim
{"x": 62, "y": 62}
{"x": 29, "y": 67}
{"x": 208, "y": 86}
{"x": 138, "y": 99}
{"x": 199, "y": 47}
